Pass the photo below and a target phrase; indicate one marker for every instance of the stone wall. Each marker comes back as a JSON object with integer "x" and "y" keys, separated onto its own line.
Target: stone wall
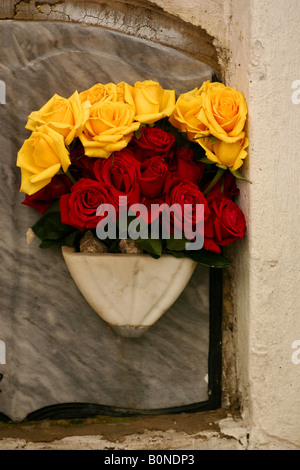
{"x": 257, "y": 46}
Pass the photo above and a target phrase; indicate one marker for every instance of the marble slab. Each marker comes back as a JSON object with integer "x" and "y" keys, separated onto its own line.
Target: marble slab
{"x": 58, "y": 350}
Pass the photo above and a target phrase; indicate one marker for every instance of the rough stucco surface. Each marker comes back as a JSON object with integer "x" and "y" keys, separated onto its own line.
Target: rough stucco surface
{"x": 257, "y": 42}
{"x": 273, "y": 205}
{"x": 261, "y": 41}
{"x": 207, "y": 430}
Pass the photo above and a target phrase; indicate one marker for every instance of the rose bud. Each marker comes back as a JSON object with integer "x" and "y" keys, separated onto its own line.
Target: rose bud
{"x": 183, "y": 197}
{"x": 152, "y": 102}
{"x": 153, "y": 142}
{"x": 153, "y": 175}
{"x": 229, "y": 221}
{"x": 120, "y": 172}
{"x": 187, "y": 168}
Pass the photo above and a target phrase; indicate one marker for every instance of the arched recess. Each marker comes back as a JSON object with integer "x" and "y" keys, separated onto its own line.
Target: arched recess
{"x": 134, "y": 19}
{"x": 138, "y": 18}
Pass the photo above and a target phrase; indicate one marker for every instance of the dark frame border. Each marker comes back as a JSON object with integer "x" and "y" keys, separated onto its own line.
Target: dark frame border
{"x": 90, "y": 410}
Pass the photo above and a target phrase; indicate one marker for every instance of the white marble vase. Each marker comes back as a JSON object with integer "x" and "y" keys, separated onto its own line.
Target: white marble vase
{"x": 129, "y": 291}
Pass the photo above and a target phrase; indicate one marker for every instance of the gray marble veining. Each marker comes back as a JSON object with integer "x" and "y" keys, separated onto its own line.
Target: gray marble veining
{"x": 58, "y": 350}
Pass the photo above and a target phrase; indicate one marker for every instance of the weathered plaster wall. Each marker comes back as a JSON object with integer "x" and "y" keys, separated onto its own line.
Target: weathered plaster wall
{"x": 259, "y": 40}
{"x": 271, "y": 312}
{"x": 138, "y": 18}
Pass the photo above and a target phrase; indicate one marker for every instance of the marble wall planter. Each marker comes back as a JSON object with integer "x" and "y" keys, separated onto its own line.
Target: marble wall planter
{"x": 129, "y": 291}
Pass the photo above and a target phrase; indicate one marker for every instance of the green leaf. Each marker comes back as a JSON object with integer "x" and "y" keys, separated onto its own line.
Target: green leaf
{"x": 213, "y": 140}
{"x": 54, "y": 207}
{"x": 49, "y": 244}
{"x": 70, "y": 240}
{"x": 238, "y": 175}
{"x": 151, "y": 246}
{"x": 174, "y": 244}
{"x": 50, "y": 227}
{"x": 208, "y": 258}
{"x": 52, "y": 232}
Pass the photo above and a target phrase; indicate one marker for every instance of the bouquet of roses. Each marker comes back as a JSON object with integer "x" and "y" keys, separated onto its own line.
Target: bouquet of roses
{"x": 114, "y": 159}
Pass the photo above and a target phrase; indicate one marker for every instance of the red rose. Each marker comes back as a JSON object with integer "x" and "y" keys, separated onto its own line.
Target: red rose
{"x": 83, "y": 166}
{"x": 153, "y": 142}
{"x": 170, "y": 181}
{"x": 229, "y": 221}
{"x": 153, "y": 175}
{"x": 97, "y": 168}
{"x": 152, "y": 206}
{"x": 79, "y": 208}
{"x": 186, "y": 192}
{"x": 225, "y": 187}
{"x": 186, "y": 168}
{"x": 120, "y": 172}
{"x": 209, "y": 235}
{"x": 42, "y": 200}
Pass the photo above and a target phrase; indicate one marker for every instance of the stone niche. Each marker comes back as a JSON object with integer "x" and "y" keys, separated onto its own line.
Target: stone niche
{"x": 61, "y": 358}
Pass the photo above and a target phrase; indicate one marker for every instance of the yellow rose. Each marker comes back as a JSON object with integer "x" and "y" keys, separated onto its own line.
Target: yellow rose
{"x": 152, "y": 102}
{"x": 223, "y": 111}
{"x": 185, "y": 115}
{"x": 65, "y": 116}
{"x": 222, "y": 153}
{"x": 98, "y": 93}
{"x": 124, "y": 94}
{"x": 108, "y": 129}
{"x": 40, "y": 158}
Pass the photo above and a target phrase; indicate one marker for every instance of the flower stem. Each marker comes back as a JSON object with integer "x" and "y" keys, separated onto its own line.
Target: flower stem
{"x": 71, "y": 177}
{"x": 213, "y": 181}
